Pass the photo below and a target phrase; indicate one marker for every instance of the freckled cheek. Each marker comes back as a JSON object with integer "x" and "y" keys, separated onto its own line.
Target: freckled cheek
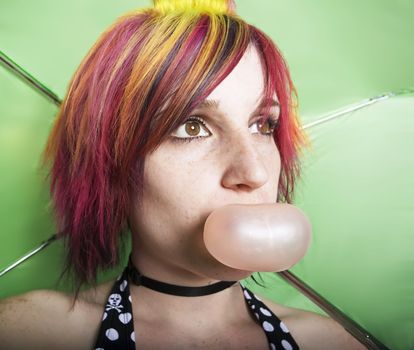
{"x": 182, "y": 185}
{"x": 198, "y": 182}
{"x": 276, "y": 162}
{"x": 272, "y": 161}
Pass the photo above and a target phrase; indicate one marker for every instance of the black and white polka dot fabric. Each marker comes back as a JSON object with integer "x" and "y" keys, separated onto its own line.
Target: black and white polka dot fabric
{"x": 117, "y": 328}
{"x": 276, "y": 331}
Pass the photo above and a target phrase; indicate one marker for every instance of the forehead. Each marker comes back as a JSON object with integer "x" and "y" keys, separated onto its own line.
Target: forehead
{"x": 243, "y": 88}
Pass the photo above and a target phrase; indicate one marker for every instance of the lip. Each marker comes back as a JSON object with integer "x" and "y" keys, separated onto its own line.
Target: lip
{"x": 243, "y": 203}
{"x": 209, "y": 212}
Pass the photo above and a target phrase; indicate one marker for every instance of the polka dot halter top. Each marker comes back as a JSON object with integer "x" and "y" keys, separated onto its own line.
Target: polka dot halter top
{"x": 117, "y": 328}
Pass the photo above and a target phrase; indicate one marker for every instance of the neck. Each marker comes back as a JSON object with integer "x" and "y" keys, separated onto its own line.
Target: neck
{"x": 177, "y": 309}
{"x": 189, "y": 311}
{"x": 173, "y": 289}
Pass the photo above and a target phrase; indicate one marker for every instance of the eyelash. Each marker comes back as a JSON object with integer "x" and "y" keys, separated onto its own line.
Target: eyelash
{"x": 273, "y": 125}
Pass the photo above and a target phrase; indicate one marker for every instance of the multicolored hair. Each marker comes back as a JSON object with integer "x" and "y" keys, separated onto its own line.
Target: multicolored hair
{"x": 137, "y": 84}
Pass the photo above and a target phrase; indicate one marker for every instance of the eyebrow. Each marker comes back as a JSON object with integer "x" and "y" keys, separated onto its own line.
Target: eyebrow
{"x": 214, "y": 104}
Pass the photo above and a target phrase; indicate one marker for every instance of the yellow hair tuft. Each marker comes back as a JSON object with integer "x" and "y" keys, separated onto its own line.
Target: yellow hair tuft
{"x": 200, "y": 6}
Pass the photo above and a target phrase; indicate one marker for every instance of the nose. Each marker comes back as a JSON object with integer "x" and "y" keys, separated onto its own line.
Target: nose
{"x": 246, "y": 169}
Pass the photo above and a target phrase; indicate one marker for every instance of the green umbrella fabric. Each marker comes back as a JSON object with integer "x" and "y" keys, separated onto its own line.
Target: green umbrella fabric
{"x": 357, "y": 182}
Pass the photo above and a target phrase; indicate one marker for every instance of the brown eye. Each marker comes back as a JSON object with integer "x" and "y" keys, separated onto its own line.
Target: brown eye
{"x": 266, "y": 126}
{"x": 192, "y": 127}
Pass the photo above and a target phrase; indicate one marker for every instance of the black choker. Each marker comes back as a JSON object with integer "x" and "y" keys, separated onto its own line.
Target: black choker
{"x": 173, "y": 289}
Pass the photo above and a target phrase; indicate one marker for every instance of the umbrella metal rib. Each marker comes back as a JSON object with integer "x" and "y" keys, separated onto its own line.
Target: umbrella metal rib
{"x": 28, "y": 78}
{"x": 356, "y": 330}
{"x": 352, "y": 327}
{"x": 346, "y": 110}
{"x": 362, "y": 104}
{"x": 28, "y": 255}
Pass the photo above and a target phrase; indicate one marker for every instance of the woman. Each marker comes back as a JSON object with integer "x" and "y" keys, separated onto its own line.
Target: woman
{"x": 176, "y": 111}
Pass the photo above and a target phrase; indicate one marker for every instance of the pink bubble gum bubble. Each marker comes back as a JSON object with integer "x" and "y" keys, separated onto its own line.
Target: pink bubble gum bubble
{"x": 260, "y": 237}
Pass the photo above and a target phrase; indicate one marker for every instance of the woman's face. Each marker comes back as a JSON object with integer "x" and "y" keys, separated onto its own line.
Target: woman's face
{"x": 231, "y": 161}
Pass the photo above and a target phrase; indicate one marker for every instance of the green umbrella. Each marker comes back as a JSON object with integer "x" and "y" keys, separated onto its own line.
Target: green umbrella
{"x": 351, "y": 63}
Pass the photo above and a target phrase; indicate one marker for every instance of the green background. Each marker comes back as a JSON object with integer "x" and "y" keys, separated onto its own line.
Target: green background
{"x": 357, "y": 186}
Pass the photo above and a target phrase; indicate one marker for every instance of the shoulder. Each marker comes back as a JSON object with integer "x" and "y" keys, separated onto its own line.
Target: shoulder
{"x": 45, "y": 318}
{"x": 97, "y": 295}
{"x": 314, "y": 331}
